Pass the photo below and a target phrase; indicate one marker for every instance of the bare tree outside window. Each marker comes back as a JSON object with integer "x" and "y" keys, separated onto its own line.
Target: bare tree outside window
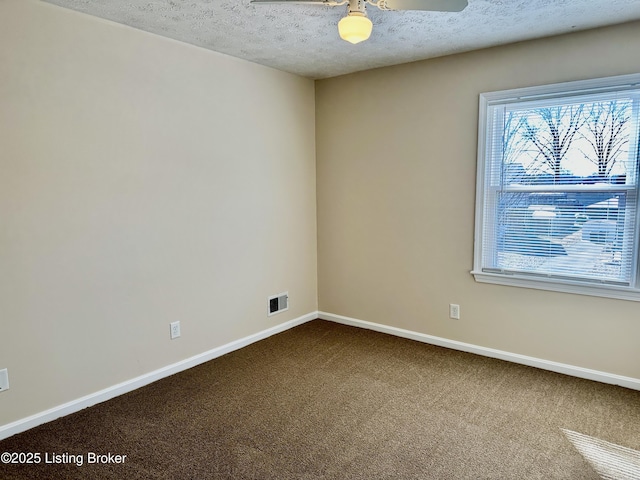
{"x": 553, "y": 135}
{"x": 606, "y": 133}
{"x": 513, "y": 145}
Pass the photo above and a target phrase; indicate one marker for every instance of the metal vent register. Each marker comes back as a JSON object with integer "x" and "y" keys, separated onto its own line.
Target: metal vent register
{"x": 278, "y": 303}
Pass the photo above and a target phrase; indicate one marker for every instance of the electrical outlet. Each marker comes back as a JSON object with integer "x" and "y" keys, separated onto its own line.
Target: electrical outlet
{"x": 4, "y": 380}
{"x": 175, "y": 330}
{"x": 454, "y": 311}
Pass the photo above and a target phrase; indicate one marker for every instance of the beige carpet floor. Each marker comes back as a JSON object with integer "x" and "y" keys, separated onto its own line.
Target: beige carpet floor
{"x": 327, "y": 401}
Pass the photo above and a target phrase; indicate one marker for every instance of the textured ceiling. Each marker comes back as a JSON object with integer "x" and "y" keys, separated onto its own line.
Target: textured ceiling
{"x": 303, "y": 39}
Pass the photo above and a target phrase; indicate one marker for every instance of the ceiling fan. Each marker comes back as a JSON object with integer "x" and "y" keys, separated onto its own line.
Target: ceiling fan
{"x": 356, "y": 27}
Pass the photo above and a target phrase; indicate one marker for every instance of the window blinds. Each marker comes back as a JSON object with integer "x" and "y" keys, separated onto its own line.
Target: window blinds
{"x": 561, "y": 187}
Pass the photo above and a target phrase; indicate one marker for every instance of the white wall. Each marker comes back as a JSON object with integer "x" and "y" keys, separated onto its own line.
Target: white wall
{"x": 396, "y": 169}
{"x": 142, "y": 181}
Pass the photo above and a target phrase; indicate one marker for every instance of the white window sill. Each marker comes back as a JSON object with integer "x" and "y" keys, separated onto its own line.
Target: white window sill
{"x": 594, "y": 290}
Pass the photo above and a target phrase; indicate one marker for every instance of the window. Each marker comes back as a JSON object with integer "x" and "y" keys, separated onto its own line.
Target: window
{"x": 557, "y": 188}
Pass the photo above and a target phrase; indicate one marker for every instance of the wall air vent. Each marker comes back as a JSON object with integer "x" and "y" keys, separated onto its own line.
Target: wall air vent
{"x": 278, "y": 303}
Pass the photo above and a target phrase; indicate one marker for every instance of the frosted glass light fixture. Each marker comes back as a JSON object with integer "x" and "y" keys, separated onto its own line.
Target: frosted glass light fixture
{"x": 355, "y": 27}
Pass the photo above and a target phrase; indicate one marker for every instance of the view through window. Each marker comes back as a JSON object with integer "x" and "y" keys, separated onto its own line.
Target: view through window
{"x": 558, "y": 186}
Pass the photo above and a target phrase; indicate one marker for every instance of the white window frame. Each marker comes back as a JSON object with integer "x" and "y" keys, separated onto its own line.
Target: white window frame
{"x": 559, "y": 91}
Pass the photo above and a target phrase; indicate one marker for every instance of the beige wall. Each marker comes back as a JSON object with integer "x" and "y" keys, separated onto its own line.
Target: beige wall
{"x": 142, "y": 181}
{"x": 396, "y": 166}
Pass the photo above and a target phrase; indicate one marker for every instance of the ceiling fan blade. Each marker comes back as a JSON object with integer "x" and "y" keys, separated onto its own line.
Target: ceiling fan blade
{"x": 430, "y": 5}
{"x": 330, "y": 3}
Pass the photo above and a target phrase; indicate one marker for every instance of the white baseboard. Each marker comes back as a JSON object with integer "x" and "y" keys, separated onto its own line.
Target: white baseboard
{"x": 604, "y": 377}
{"x": 73, "y": 406}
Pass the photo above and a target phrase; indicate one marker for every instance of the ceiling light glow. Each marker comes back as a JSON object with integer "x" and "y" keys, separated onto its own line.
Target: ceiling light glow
{"x": 355, "y": 27}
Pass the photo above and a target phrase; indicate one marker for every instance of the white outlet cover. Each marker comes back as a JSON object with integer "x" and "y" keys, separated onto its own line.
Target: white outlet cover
{"x": 4, "y": 380}
{"x": 174, "y": 330}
